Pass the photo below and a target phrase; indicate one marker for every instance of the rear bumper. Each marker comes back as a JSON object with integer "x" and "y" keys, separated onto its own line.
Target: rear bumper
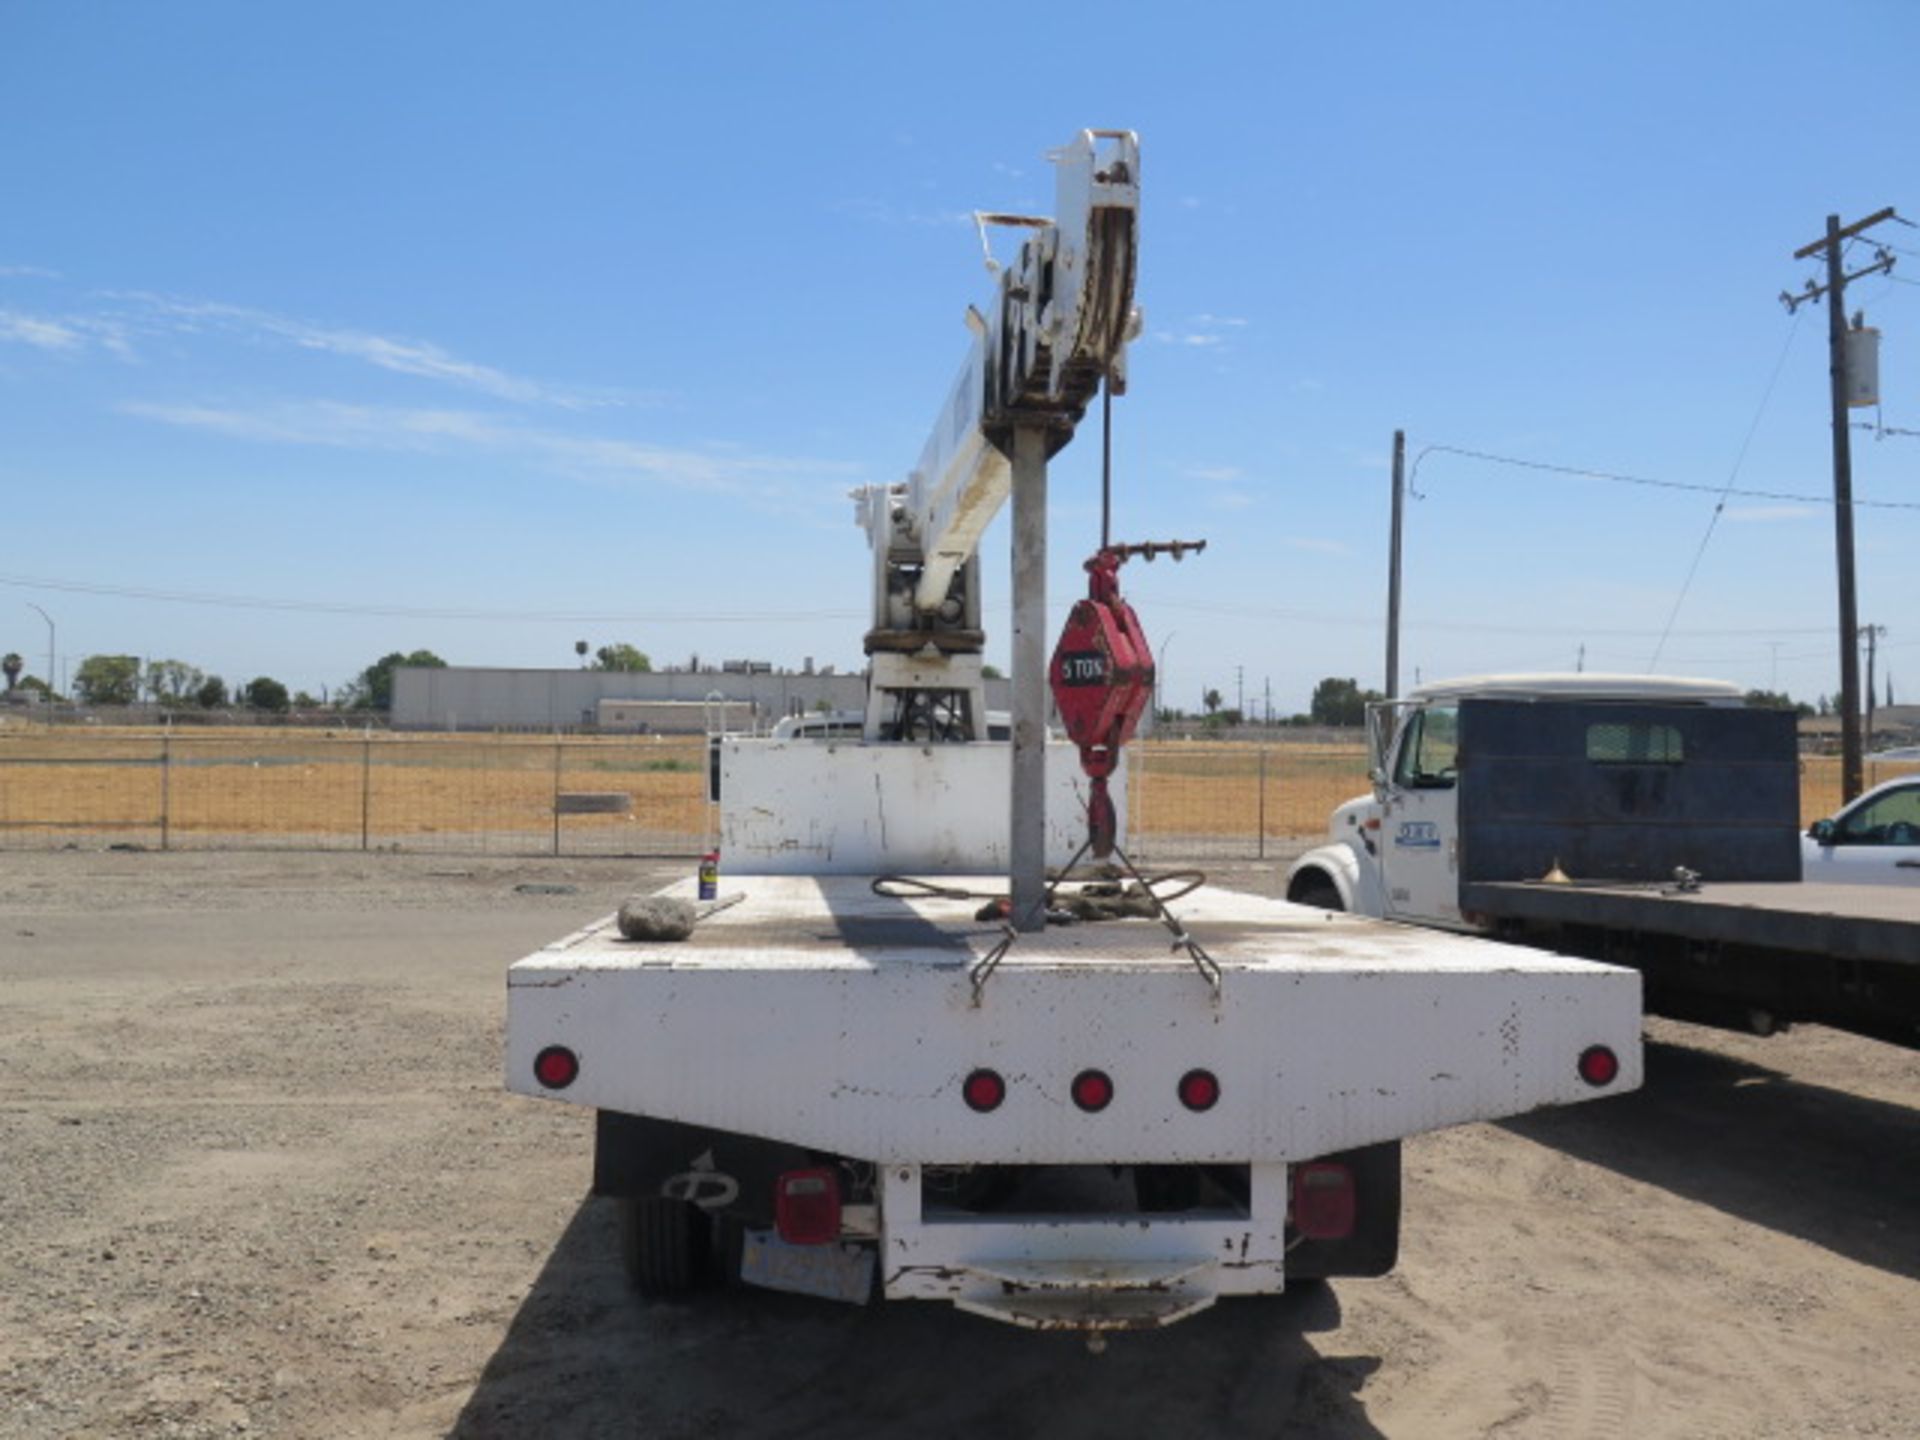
{"x": 1083, "y": 1273}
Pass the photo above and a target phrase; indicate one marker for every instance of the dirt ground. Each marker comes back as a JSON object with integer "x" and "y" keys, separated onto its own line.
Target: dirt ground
{"x": 258, "y": 1176}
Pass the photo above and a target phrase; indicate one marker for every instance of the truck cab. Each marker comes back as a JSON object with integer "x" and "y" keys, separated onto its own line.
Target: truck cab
{"x": 1564, "y": 783}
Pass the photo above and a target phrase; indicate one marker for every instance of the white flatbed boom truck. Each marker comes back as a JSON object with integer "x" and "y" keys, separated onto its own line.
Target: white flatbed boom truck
{"x": 850, "y": 1083}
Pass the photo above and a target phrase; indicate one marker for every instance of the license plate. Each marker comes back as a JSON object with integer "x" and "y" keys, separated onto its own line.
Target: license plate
{"x": 832, "y": 1272}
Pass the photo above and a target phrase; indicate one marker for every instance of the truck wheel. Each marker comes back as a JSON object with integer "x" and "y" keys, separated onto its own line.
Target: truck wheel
{"x": 1318, "y": 892}
{"x": 658, "y": 1244}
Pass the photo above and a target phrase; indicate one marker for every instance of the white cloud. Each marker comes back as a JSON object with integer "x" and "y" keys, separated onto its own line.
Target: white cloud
{"x": 1203, "y": 331}
{"x": 400, "y": 356}
{"x": 27, "y": 272}
{"x": 41, "y": 334}
{"x": 1230, "y": 500}
{"x": 1217, "y": 473}
{"x": 364, "y": 427}
{"x": 1762, "y": 513}
{"x": 66, "y": 334}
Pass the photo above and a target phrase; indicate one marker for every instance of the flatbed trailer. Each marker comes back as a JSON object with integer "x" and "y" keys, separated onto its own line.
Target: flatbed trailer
{"x": 819, "y": 1029}
{"x": 1753, "y": 955}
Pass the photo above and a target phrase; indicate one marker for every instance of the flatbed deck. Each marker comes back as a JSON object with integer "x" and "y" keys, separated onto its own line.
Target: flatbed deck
{"x": 1821, "y": 921}
{"x": 837, "y": 922}
{"x": 860, "y": 1012}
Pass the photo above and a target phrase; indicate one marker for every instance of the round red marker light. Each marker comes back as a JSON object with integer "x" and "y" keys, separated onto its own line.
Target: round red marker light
{"x": 1092, "y": 1090}
{"x": 556, "y": 1067}
{"x": 1199, "y": 1090}
{"x": 983, "y": 1090}
{"x": 1599, "y": 1065}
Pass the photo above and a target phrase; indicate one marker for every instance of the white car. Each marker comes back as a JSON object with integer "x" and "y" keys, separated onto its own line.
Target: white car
{"x": 1873, "y": 841}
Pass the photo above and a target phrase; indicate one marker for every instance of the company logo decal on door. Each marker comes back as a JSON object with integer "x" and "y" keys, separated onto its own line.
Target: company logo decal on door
{"x": 1418, "y": 835}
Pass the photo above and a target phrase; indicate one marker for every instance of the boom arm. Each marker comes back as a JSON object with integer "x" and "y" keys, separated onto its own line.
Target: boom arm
{"x": 1060, "y": 325}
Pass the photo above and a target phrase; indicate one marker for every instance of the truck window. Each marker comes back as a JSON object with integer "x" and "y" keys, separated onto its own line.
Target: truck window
{"x": 1430, "y": 750}
{"x": 1636, "y": 743}
{"x": 1893, "y": 819}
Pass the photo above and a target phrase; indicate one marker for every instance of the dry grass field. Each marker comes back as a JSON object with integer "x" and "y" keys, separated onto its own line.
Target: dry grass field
{"x": 346, "y": 789}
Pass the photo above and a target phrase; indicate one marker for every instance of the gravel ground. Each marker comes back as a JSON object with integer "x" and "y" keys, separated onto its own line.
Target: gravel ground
{"x": 258, "y": 1176}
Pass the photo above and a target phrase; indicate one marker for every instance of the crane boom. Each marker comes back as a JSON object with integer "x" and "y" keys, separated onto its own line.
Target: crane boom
{"x": 1057, "y": 328}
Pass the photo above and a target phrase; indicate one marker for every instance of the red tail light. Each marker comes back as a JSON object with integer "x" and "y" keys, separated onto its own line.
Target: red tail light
{"x": 983, "y": 1090}
{"x": 1199, "y": 1090}
{"x": 1092, "y": 1090}
{"x": 1599, "y": 1065}
{"x": 806, "y": 1206}
{"x": 1323, "y": 1200}
{"x": 556, "y": 1067}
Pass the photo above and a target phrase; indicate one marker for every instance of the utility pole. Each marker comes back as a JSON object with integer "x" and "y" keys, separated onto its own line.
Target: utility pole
{"x": 1871, "y": 634}
{"x": 52, "y": 679}
{"x": 1240, "y": 691}
{"x": 1393, "y": 565}
{"x": 1835, "y": 290}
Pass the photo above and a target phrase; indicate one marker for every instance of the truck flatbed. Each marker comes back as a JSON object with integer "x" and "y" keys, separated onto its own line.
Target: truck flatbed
{"x": 1831, "y": 922}
{"x": 1327, "y": 1031}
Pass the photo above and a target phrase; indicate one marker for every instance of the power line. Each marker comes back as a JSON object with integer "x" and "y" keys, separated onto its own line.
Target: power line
{"x": 1720, "y": 505}
{"x": 1461, "y": 627}
{"x": 1619, "y": 479}
{"x": 412, "y": 612}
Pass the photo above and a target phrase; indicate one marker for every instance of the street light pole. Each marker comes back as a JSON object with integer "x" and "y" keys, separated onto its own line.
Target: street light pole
{"x": 1160, "y": 676}
{"x": 49, "y": 619}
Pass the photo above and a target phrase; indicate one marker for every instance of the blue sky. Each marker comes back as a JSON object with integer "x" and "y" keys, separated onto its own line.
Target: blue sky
{"x": 487, "y": 328}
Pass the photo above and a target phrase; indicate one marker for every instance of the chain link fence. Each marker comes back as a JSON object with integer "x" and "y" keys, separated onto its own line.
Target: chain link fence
{"x": 613, "y": 795}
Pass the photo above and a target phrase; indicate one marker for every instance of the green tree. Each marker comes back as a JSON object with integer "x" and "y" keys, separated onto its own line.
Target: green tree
{"x": 171, "y": 682}
{"x": 372, "y": 688}
{"x": 266, "y": 693}
{"x": 1341, "y": 702}
{"x": 622, "y": 657}
{"x": 212, "y": 694}
{"x": 1211, "y": 700}
{"x": 1778, "y": 700}
{"x": 11, "y": 668}
{"x": 991, "y": 672}
{"x": 108, "y": 680}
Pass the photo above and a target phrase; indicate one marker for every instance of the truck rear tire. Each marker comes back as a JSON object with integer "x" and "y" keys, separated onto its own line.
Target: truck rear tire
{"x": 659, "y": 1244}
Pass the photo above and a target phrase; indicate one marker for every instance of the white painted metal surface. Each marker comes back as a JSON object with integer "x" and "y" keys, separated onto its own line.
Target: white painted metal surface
{"x": 1086, "y": 1273}
{"x": 818, "y": 1013}
{"x": 848, "y": 807}
{"x": 1066, "y": 302}
{"x": 1581, "y": 686}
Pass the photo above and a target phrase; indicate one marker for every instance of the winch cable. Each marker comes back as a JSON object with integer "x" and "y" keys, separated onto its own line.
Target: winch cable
{"x": 912, "y": 887}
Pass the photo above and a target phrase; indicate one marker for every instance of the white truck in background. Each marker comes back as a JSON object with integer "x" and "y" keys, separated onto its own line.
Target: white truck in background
{"x": 1642, "y": 820}
{"x": 867, "y": 1072}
